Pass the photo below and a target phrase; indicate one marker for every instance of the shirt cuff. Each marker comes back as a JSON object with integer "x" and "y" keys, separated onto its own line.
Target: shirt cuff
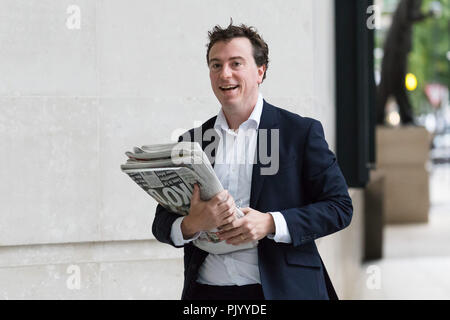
{"x": 281, "y": 230}
{"x": 177, "y": 235}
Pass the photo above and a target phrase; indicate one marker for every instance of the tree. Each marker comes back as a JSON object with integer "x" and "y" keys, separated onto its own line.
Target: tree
{"x": 428, "y": 60}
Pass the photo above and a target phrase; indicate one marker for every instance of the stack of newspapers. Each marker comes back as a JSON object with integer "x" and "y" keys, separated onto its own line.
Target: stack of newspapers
{"x": 168, "y": 172}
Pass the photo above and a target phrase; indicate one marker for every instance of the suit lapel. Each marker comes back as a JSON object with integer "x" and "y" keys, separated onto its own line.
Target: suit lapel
{"x": 269, "y": 121}
{"x": 210, "y": 139}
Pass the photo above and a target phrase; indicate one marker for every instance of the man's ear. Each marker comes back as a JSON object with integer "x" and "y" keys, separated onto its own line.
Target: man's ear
{"x": 261, "y": 71}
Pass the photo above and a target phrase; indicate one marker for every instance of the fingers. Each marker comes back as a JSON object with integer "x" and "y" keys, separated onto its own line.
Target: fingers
{"x": 222, "y": 196}
{"x": 229, "y": 201}
{"x": 239, "y": 239}
{"x": 226, "y": 226}
{"x": 230, "y": 222}
{"x": 228, "y": 218}
{"x": 227, "y": 207}
{"x": 241, "y": 230}
{"x": 227, "y": 223}
{"x": 218, "y": 198}
{"x": 227, "y": 235}
{"x": 195, "y": 194}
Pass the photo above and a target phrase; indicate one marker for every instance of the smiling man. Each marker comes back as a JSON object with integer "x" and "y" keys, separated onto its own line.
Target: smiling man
{"x": 235, "y": 78}
{"x": 304, "y": 199}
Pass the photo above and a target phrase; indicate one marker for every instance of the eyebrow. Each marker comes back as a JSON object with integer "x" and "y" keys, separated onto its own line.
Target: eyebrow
{"x": 232, "y": 58}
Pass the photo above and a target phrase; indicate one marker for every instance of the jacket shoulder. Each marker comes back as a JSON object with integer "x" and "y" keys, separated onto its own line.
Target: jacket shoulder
{"x": 291, "y": 119}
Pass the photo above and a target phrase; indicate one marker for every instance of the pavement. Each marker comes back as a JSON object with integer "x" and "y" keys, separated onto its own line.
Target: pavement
{"x": 416, "y": 257}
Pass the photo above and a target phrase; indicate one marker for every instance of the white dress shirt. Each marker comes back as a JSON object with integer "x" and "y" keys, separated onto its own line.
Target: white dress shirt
{"x": 233, "y": 166}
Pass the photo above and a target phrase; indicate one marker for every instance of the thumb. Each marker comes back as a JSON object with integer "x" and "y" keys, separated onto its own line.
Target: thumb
{"x": 246, "y": 210}
{"x": 195, "y": 194}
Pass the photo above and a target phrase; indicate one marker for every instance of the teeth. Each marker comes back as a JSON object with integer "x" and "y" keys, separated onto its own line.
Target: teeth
{"x": 228, "y": 87}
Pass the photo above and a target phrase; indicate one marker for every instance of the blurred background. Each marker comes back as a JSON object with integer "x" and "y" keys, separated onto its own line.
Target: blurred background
{"x": 83, "y": 81}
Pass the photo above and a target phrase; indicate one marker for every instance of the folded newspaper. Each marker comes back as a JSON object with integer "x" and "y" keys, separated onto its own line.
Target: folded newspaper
{"x": 168, "y": 172}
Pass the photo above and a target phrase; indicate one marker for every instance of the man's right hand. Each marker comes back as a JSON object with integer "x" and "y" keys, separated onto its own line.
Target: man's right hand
{"x": 207, "y": 215}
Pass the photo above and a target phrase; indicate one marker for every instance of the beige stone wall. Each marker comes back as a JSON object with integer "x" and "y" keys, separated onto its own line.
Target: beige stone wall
{"x": 143, "y": 269}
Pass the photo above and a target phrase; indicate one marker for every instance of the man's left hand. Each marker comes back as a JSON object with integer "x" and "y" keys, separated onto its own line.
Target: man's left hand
{"x": 254, "y": 226}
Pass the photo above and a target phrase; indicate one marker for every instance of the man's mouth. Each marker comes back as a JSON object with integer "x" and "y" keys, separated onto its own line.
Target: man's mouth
{"x": 228, "y": 88}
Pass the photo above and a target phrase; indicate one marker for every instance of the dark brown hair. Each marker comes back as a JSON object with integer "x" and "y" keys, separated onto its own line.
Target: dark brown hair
{"x": 260, "y": 48}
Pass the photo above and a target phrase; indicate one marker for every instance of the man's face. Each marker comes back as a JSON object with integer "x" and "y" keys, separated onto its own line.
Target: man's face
{"x": 234, "y": 74}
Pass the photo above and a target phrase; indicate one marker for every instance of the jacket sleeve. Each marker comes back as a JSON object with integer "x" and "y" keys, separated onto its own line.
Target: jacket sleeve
{"x": 330, "y": 209}
{"x": 162, "y": 225}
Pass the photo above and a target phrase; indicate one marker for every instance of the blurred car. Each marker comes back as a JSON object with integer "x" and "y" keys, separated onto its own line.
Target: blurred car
{"x": 440, "y": 148}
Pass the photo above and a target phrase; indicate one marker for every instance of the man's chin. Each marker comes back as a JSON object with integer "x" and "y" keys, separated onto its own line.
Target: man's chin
{"x": 230, "y": 104}
{"x": 229, "y": 101}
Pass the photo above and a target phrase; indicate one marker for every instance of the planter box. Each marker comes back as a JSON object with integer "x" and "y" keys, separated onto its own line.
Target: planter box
{"x": 402, "y": 146}
{"x": 402, "y": 154}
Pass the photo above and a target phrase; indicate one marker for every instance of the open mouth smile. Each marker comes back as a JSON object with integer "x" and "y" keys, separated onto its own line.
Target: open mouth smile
{"x": 228, "y": 88}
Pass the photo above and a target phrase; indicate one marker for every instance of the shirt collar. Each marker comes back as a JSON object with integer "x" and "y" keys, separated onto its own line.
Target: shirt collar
{"x": 251, "y": 122}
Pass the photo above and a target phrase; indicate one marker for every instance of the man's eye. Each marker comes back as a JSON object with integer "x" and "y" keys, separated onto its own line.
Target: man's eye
{"x": 215, "y": 66}
{"x": 237, "y": 64}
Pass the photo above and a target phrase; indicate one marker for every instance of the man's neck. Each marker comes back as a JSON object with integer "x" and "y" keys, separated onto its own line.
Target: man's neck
{"x": 235, "y": 116}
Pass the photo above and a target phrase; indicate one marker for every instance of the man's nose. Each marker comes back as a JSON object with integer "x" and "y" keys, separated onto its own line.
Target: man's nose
{"x": 225, "y": 72}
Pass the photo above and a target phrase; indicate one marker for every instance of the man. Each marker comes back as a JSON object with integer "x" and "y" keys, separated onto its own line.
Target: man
{"x": 286, "y": 210}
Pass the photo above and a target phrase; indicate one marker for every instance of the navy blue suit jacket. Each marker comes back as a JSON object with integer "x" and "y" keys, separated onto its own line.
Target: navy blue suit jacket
{"x": 310, "y": 192}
